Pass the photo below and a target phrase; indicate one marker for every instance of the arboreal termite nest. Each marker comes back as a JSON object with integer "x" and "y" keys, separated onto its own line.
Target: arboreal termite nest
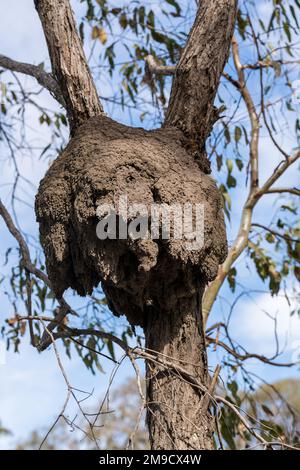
{"x": 103, "y": 161}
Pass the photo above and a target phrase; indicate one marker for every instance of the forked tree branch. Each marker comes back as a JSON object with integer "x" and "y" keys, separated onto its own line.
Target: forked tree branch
{"x": 281, "y": 168}
{"x": 246, "y": 355}
{"x": 69, "y": 65}
{"x": 46, "y": 80}
{"x": 255, "y": 192}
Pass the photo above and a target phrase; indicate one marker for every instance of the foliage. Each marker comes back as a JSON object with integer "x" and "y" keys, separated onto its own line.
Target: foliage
{"x": 118, "y": 39}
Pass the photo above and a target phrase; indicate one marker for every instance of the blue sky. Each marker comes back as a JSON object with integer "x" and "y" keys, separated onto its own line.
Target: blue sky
{"x": 32, "y": 389}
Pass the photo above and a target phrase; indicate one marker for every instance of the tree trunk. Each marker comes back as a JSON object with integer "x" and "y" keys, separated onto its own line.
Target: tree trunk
{"x": 177, "y": 414}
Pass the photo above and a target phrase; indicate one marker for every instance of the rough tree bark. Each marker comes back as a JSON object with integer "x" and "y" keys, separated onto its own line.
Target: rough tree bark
{"x": 191, "y": 107}
{"x": 178, "y": 415}
{"x": 69, "y": 65}
{"x": 157, "y": 285}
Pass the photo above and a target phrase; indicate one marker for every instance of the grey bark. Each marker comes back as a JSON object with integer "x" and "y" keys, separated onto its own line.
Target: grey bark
{"x": 178, "y": 414}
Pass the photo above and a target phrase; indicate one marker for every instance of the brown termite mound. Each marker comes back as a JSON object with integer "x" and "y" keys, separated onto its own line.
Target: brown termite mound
{"x": 103, "y": 161}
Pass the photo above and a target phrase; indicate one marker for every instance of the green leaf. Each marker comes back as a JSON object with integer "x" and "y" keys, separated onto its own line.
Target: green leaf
{"x": 286, "y": 28}
{"x": 176, "y": 6}
{"x": 227, "y": 135}
{"x": 294, "y": 15}
{"x": 239, "y": 163}
{"x": 123, "y": 21}
{"x": 110, "y": 348}
{"x": 150, "y": 20}
{"x": 241, "y": 23}
{"x": 267, "y": 410}
{"x": 229, "y": 164}
{"x": 219, "y": 162}
{"x": 231, "y": 279}
{"x": 237, "y": 134}
{"x": 231, "y": 181}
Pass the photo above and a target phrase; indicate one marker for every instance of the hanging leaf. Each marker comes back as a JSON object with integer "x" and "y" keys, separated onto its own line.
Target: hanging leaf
{"x": 99, "y": 33}
{"x": 237, "y": 134}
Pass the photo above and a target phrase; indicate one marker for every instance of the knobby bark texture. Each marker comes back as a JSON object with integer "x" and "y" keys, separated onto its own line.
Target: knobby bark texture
{"x": 157, "y": 283}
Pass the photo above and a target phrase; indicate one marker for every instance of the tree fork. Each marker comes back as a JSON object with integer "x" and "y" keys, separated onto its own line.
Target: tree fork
{"x": 178, "y": 412}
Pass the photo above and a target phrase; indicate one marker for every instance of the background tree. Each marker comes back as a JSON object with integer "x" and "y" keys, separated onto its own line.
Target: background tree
{"x": 268, "y": 64}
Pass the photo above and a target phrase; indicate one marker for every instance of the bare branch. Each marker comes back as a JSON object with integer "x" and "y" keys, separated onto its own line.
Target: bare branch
{"x": 180, "y": 372}
{"x": 270, "y": 64}
{"x": 284, "y": 165}
{"x": 137, "y": 352}
{"x": 262, "y": 93}
{"x": 255, "y": 193}
{"x": 246, "y": 356}
{"x": 70, "y": 392}
{"x": 22, "y": 244}
{"x": 31, "y": 268}
{"x": 277, "y": 234}
{"x": 234, "y": 82}
{"x": 46, "y": 80}
{"x": 158, "y": 69}
{"x": 266, "y": 443}
{"x": 243, "y": 420}
{"x": 294, "y": 191}
{"x": 206, "y": 399}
